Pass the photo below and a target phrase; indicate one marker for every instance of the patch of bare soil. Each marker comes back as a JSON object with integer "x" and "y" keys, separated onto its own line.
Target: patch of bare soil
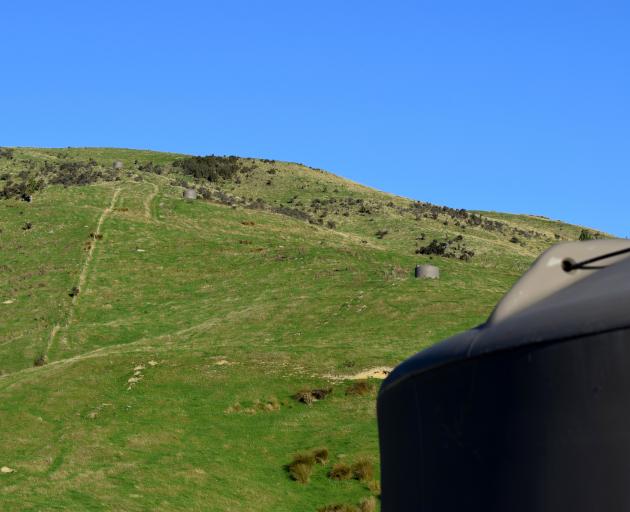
{"x": 379, "y": 372}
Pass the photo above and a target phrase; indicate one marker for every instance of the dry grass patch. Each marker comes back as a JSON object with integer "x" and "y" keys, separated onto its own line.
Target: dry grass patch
{"x": 271, "y": 404}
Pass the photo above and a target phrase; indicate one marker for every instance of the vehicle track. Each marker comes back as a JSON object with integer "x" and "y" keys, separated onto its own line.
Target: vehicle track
{"x": 83, "y": 274}
{"x": 148, "y": 212}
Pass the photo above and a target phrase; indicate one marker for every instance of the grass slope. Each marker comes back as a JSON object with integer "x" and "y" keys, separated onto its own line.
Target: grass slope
{"x": 221, "y": 313}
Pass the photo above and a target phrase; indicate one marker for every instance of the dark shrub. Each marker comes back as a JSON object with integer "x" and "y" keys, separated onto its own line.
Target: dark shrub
{"x": 75, "y": 172}
{"x": 23, "y": 189}
{"x": 435, "y": 247}
{"x": 6, "y": 153}
{"x": 151, "y": 167}
{"x": 40, "y": 360}
{"x": 211, "y": 168}
{"x": 585, "y": 234}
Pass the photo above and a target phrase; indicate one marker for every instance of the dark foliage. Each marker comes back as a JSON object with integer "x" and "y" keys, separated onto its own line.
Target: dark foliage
{"x": 23, "y": 189}
{"x": 151, "y": 167}
{"x": 76, "y": 173}
{"x": 6, "y": 153}
{"x": 40, "y": 360}
{"x": 449, "y": 248}
{"x": 211, "y": 168}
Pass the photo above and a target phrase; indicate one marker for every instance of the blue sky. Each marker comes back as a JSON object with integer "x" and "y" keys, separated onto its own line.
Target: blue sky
{"x": 511, "y": 106}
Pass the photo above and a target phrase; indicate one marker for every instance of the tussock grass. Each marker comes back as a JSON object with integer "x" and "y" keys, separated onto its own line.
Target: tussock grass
{"x": 301, "y": 467}
{"x": 340, "y": 471}
{"x": 360, "y": 388}
{"x": 308, "y": 396}
{"x": 321, "y": 455}
{"x": 338, "y": 507}
{"x": 367, "y": 504}
{"x": 363, "y": 469}
{"x": 300, "y": 472}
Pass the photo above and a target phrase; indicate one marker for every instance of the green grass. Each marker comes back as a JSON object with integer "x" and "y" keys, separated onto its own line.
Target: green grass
{"x": 233, "y": 313}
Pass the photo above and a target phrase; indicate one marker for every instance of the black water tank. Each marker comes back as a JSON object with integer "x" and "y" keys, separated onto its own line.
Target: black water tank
{"x": 529, "y": 412}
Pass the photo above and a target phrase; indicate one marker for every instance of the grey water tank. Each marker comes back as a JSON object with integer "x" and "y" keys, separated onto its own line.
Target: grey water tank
{"x": 190, "y": 193}
{"x": 427, "y": 272}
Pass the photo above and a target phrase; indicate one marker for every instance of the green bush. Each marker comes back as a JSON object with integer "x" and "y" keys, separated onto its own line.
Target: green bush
{"x": 211, "y": 168}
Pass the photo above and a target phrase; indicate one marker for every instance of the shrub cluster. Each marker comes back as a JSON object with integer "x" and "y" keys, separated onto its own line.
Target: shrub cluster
{"x": 585, "y": 235}
{"x": 449, "y": 248}
{"x": 151, "y": 167}
{"x": 463, "y": 218}
{"x": 6, "y": 153}
{"x": 211, "y": 168}
{"x": 22, "y": 189}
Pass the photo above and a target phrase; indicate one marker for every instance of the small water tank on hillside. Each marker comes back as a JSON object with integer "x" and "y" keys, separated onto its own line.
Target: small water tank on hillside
{"x": 427, "y": 272}
{"x": 117, "y": 165}
{"x": 190, "y": 194}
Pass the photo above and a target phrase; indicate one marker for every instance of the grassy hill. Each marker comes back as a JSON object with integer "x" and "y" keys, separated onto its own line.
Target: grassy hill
{"x": 150, "y": 347}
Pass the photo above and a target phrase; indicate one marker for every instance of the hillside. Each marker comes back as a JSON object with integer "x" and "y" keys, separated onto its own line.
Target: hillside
{"x": 170, "y": 336}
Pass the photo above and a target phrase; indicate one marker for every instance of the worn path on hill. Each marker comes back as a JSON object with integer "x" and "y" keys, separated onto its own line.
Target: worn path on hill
{"x": 84, "y": 272}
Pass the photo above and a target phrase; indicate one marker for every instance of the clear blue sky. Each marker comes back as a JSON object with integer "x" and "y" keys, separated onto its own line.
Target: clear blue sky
{"x": 496, "y": 105}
